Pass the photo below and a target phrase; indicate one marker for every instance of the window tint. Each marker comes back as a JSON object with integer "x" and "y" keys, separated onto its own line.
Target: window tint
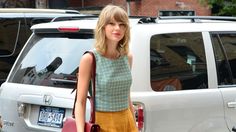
{"x": 12, "y": 39}
{"x": 178, "y": 62}
{"x": 8, "y": 31}
{"x": 225, "y": 54}
{"x": 52, "y": 60}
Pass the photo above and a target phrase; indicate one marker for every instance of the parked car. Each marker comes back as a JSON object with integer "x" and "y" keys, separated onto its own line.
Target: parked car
{"x": 184, "y": 75}
{"x": 15, "y": 26}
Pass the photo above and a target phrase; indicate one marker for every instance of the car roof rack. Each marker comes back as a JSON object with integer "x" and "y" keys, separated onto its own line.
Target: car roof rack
{"x": 147, "y": 20}
{"x": 192, "y": 18}
{"x": 36, "y": 10}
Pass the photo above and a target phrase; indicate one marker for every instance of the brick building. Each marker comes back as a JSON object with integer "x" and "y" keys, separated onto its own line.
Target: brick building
{"x": 133, "y": 7}
{"x": 148, "y": 7}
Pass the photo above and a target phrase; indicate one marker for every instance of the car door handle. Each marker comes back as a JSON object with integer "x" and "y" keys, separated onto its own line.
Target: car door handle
{"x": 231, "y": 104}
{"x": 31, "y": 99}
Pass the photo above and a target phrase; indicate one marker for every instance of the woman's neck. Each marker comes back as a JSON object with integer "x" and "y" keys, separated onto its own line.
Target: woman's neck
{"x": 112, "y": 51}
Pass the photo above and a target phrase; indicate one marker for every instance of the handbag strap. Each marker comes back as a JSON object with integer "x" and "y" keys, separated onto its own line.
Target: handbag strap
{"x": 92, "y": 98}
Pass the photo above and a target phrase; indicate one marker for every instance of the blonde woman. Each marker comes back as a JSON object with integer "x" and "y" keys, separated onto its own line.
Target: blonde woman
{"x": 114, "y": 110}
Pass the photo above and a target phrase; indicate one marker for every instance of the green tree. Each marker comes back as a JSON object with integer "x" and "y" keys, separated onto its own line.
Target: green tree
{"x": 221, "y": 7}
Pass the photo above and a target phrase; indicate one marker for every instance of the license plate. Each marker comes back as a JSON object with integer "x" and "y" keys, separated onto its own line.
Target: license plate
{"x": 51, "y": 116}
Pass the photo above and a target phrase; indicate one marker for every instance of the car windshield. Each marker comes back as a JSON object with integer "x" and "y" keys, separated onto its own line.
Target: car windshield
{"x": 51, "y": 60}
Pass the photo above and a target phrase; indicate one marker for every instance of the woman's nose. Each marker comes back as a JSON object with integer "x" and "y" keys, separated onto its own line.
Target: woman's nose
{"x": 117, "y": 26}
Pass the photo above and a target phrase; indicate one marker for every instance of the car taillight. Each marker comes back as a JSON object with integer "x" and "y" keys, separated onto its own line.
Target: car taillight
{"x": 139, "y": 115}
{"x": 68, "y": 29}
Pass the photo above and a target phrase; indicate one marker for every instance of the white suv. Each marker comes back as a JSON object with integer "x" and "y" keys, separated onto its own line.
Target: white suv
{"x": 184, "y": 75}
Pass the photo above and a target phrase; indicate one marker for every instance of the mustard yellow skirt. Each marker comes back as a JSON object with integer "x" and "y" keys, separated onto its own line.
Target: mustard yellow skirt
{"x": 121, "y": 121}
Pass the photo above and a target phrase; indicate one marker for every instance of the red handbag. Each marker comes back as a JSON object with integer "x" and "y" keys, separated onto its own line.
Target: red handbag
{"x": 69, "y": 125}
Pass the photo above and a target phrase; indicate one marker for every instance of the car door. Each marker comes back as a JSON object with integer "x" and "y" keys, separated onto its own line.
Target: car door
{"x": 183, "y": 96}
{"x": 225, "y": 57}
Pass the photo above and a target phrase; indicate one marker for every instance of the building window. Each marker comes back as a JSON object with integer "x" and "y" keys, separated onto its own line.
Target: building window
{"x": 176, "y": 13}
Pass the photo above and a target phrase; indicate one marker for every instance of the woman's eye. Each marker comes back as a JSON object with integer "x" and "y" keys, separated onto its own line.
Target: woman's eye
{"x": 122, "y": 24}
{"x": 111, "y": 23}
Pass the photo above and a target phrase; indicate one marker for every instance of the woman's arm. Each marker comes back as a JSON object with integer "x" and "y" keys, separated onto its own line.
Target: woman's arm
{"x": 130, "y": 58}
{"x": 84, "y": 77}
{"x": 131, "y": 107}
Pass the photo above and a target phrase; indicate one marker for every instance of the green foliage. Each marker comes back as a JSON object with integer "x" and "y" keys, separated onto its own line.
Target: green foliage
{"x": 221, "y": 7}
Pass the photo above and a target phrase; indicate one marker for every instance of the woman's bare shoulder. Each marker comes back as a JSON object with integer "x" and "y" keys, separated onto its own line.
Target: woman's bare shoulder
{"x": 130, "y": 56}
{"x": 86, "y": 59}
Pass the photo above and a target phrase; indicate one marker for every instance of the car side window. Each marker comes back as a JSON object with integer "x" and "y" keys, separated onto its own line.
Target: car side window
{"x": 8, "y": 31}
{"x": 178, "y": 62}
{"x": 224, "y": 45}
{"x": 12, "y": 32}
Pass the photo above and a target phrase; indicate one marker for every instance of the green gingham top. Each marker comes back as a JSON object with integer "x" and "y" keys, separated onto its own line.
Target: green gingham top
{"x": 113, "y": 81}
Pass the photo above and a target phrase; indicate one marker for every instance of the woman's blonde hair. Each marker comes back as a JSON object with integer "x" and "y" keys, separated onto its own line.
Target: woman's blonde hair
{"x": 109, "y": 13}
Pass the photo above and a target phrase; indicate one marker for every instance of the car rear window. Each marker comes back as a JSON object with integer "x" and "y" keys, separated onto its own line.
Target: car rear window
{"x": 51, "y": 59}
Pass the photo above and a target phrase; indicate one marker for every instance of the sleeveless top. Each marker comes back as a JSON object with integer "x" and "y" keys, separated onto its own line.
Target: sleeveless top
{"x": 113, "y": 81}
